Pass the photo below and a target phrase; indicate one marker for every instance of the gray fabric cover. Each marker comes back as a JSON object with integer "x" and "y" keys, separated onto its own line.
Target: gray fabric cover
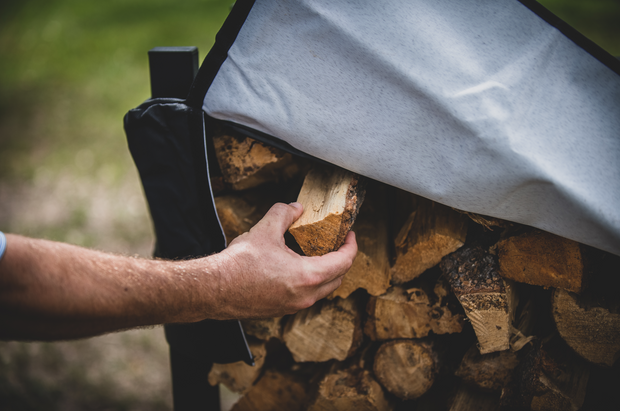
{"x": 477, "y": 104}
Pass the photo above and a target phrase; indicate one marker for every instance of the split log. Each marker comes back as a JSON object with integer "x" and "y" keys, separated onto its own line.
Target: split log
{"x": 470, "y": 399}
{"x": 408, "y": 313}
{"x": 238, "y": 377}
{"x": 236, "y": 215}
{"x": 593, "y": 332}
{"x": 488, "y": 301}
{"x": 548, "y": 378}
{"x": 350, "y": 389}
{"x": 371, "y": 268}
{"x": 330, "y": 329}
{"x": 247, "y": 163}
{"x": 406, "y": 368}
{"x": 275, "y": 391}
{"x": 263, "y": 329}
{"x": 489, "y": 372}
{"x": 331, "y": 199}
{"x": 486, "y": 221}
{"x": 430, "y": 232}
{"x": 542, "y": 259}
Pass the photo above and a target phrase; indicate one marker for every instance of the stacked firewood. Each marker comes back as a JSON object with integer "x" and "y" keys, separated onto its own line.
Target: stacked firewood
{"x": 441, "y": 310}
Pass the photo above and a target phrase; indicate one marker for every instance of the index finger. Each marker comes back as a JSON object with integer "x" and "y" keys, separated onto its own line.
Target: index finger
{"x": 336, "y": 263}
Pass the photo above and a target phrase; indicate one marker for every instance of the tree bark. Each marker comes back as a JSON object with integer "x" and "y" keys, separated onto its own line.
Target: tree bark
{"x": 331, "y": 198}
{"x": 330, "y": 329}
{"x": 488, "y": 300}
{"x": 406, "y": 368}
{"x": 430, "y": 232}
{"x": 275, "y": 391}
{"x": 489, "y": 372}
{"x": 263, "y": 329}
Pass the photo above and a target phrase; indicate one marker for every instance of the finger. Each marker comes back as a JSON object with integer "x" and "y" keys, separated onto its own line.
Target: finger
{"x": 279, "y": 218}
{"x": 336, "y": 263}
{"x": 326, "y": 289}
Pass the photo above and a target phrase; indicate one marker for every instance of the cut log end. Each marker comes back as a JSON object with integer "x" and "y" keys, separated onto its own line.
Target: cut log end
{"x": 331, "y": 199}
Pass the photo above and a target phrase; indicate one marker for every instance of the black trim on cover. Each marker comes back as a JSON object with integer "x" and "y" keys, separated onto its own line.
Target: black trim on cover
{"x": 218, "y": 53}
{"x": 575, "y": 36}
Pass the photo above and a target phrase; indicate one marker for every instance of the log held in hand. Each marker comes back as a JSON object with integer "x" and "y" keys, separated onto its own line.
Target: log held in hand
{"x": 331, "y": 198}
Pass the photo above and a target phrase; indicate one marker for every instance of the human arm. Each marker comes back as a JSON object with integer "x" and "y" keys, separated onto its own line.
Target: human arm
{"x": 51, "y": 290}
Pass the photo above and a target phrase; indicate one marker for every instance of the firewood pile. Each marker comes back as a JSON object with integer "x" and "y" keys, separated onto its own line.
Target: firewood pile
{"x": 442, "y": 309}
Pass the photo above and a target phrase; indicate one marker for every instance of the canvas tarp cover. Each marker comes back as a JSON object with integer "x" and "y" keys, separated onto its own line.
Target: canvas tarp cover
{"x": 487, "y": 106}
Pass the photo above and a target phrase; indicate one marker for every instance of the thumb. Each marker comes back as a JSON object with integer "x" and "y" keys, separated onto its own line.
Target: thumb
{"x": 279, "y": 218}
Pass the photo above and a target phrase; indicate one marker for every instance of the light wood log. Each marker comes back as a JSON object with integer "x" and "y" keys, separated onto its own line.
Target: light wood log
{"x": 430, "y": 232}
{"x": 490, "y": 223}
{"x": 331, "y": 198}
{"x": 408, "y": 313}
{"x": 238, "y": 377}
{"x": 330, "y": 329}
{"x": 406, "y": 368}
{"x": 489, "y": 302}
{"x": 489, "y": 372}
{"x": 263, "y": 329}
{"x": 275, "y": 391}
{"x": 350, "y": 389}
{"x": 371, "y": 268}
{"x": 247, "y": 163}
{"x": 542, "y": 259}
{"x": 592, "y": 331}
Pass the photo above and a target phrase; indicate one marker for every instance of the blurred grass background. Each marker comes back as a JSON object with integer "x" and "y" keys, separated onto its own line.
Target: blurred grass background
{"x": 69, "y": 71}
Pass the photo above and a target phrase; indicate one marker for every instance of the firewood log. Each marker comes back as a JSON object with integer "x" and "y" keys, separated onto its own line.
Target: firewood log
{"x": 550, "y": 377}
{"x": 408, "y": 313}
{"x": 263, "y": 329}
{"x": 352, "y": 388}
{"x": 486, "y": 221}
{"x": 430, "y": 232}
{"x": 490, "y": 372}
{"x": 469, "y": 399}
{"x": 236, "y": 215}
{"x": 247, "y": 163}
{"x": 592, "y": 331}
{"x": 275, "y": 391}
{"x": 371, "y": 268}
{"x": 406, "y": 368}
{"x": 239, "y": 377}
{"x": 543, "y": 259}
{"x": 330, "y": 329}
{"x": 331, "y": 198}
{"x": 487, "y": 299}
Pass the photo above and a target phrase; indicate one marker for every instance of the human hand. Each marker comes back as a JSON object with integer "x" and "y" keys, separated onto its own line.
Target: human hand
{"x": 260, "y": 277}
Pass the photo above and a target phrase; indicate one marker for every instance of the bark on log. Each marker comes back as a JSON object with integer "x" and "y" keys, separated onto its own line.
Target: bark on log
{"x": 238, "y": 377}
{"x": 488, "y": 300}
{"x": 542, "y": 259}
{"x": 331, "y": 198}
{"x": 247, "y": 163}
{"x": 489, "y": 372}
{"x": 275, "y": 391}
{"x": 593, "y": 332}
{"x": 430, "y": 232}
{"x": 350, "y": 389}
{"x": 408, "y": 313}
{"x": 330, "y": 329}
{"x": 263, "y": 329}
{"x": 406, "y": 368}
{"x": 371, "y": 268}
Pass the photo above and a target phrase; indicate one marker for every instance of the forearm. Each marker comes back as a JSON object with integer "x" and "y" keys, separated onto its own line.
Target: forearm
{"x": 51, "y": 290}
